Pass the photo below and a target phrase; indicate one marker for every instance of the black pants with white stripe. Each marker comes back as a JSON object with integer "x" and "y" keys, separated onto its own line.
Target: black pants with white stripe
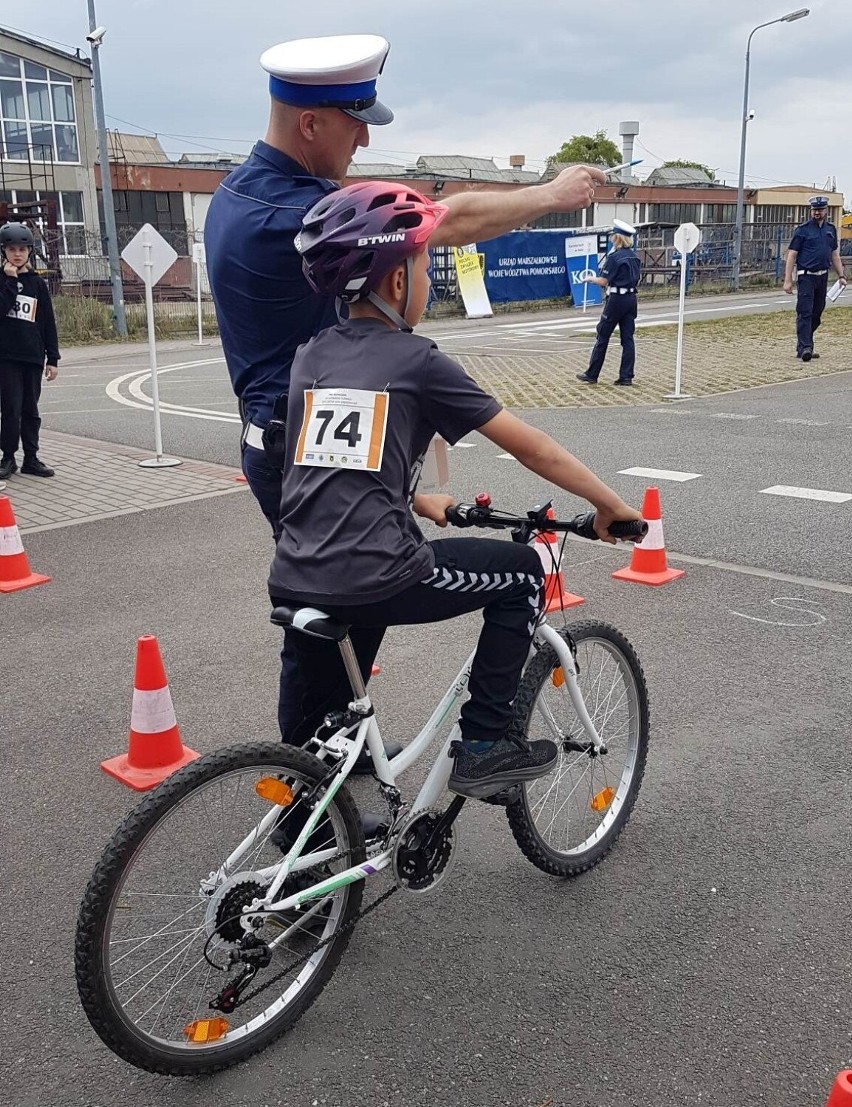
{"x": 503, "y": 579}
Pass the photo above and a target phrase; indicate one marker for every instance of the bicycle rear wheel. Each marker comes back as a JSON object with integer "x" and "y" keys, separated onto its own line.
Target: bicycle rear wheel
{"x": 569, "y": 820}
{"x": 159, "y": 920}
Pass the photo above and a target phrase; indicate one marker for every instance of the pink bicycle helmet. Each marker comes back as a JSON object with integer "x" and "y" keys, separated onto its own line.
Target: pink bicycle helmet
{"x": 353, "y": 237}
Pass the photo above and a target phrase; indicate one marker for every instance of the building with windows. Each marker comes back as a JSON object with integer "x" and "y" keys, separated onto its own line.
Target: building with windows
{"x": 48, "y": 142}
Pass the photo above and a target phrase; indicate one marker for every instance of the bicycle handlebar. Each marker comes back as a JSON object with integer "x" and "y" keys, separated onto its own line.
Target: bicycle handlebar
{"x": 476, "y": 515}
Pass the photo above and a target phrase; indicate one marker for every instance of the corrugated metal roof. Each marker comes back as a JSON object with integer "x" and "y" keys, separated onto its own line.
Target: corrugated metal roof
{"x": 135, "y": 149}
{"x": 672, "y": 175}
{"x": 378, "y": 170}
{"x": 212, "y": 159}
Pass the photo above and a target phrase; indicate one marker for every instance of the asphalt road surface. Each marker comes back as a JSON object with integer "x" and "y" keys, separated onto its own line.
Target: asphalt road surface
{"x": 705, "y": 961}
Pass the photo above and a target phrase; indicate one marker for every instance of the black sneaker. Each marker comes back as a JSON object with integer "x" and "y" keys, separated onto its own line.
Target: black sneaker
{"x": 620, "y": 381}
{"x": 807, "y": 355}
{"x": 511, "y": 760}
{"x": 8, "y": 466}
{"x": 36, "y": 468}
{"x": 586, "y": 379}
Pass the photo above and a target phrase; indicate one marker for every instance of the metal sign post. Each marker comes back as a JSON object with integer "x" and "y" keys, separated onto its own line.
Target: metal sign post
{"x": 686, "y": 238}
{"x": 199, "y": 259}
{"x": 149, "y": 256}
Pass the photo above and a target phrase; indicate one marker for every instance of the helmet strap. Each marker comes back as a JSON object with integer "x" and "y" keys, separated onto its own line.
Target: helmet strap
{"x": 387, "y": 310}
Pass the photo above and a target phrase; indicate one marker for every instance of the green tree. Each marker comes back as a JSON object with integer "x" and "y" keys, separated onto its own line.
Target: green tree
{"x": 596, "y": 149}
{"x": 679, "y": 163}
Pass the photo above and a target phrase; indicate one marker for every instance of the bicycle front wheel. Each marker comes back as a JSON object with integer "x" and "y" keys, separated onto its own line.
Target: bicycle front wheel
{"x": 569, "y": 820}
{"x": 159, "y": 940}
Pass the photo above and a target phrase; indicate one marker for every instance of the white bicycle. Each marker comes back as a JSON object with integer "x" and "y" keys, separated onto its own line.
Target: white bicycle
{"x": 224, "y": 902}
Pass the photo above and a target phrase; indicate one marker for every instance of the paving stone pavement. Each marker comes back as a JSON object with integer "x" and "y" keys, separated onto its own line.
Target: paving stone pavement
{"x": 98, "y": 480}
{"x": 710, "y": 367}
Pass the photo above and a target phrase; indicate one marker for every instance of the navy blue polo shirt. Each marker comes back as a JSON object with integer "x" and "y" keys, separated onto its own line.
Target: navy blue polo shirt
{"x": 621, "y": 268}
{"x": 814, "y": 244}
{"x": 264, "y": 305}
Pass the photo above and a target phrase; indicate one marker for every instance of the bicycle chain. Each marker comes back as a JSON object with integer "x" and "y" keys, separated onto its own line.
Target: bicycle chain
{"x": 321, "y": 945}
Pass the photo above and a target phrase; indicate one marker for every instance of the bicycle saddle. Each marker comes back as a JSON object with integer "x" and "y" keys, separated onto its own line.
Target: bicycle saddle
{"x": 309, "y": 620}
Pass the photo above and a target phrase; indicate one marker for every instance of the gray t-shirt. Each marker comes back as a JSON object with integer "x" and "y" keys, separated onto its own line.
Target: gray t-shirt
{"x": 348, "y": 535}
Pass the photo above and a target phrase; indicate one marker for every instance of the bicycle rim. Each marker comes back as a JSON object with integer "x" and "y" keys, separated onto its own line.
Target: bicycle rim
{"x": 576, "y": 812}
{"x": 165, "y": 909}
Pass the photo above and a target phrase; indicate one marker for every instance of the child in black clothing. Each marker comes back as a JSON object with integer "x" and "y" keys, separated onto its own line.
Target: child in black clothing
{"x": 28, "y": 340}
{"x": 366, "y": 398}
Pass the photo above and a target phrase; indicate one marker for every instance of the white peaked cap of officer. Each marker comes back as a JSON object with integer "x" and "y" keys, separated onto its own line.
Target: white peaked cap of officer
{"x": 337, "y": 71}
{"x": 620, "y": 227}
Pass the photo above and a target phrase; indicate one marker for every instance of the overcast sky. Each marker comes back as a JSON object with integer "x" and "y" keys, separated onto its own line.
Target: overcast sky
{"x": 493, "y": 78}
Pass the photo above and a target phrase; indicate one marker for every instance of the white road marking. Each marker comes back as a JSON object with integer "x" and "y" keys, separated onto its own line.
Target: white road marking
{"x": 808, "y": 493}
{"x": 658, "y": 474}
{"x": 506, "y": 457}
{"x": 803, "y": 422}
{"x": 731, "y": 415}
{"x": 788, "y": 603}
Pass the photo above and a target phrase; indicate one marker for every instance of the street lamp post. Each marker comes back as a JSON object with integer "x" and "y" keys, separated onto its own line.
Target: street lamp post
{"x": 95, "y": 36}
{"x": 738, "y": 229}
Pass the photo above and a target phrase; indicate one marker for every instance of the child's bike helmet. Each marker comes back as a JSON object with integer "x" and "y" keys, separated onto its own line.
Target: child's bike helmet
{"x": 16, "y": 234}
{"x": 354, "y": 237}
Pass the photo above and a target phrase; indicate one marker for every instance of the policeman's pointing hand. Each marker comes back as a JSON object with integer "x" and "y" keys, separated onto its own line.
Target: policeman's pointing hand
{"x": 574, "y": 187}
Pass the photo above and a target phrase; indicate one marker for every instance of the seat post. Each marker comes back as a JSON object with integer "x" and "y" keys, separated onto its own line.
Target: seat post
{"x": 350, "y": 662}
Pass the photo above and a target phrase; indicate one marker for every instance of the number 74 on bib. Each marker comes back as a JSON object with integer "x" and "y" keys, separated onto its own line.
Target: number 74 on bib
{"x": 343, "y": 428}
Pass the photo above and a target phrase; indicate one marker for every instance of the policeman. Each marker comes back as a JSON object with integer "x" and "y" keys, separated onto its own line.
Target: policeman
{"x": 813, "y": 251}
{"x": 620, "y": 278}
{"x": 323, "y": 98}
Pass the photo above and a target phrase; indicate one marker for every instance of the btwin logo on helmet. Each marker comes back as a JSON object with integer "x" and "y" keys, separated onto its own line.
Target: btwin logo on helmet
{"x": 378, "y": 239}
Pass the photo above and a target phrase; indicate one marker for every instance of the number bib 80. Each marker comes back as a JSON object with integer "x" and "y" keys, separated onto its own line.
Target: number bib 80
{"x": 343, "y": 428}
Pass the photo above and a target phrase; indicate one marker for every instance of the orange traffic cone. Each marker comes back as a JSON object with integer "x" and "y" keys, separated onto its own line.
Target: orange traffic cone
{"x": 648, "y": 564}
{"x": 841, "y": 1093}
{"x": 555, "y": 596}
{"x": 15, "y": 572}
{"x": 155, "y": 750}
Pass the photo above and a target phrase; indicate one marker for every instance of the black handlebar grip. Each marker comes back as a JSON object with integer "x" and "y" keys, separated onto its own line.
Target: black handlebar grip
{"x": 456, "y": 518}
{"x": 632, "y": 528}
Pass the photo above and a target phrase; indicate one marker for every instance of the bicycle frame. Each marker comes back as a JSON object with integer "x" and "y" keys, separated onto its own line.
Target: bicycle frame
{"x": 348, "y": 746}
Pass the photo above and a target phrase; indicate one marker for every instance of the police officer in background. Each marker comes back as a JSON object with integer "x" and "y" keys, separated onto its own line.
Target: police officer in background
{"x": 814, "y": 249}
{"x": 620, "y": 278}
{"x": 323, "y": 93}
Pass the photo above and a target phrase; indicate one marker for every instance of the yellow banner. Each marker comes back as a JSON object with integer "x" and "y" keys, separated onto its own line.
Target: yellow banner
{"x": 469, "y": 268}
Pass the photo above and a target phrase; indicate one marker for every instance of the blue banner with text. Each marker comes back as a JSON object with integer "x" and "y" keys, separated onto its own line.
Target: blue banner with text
{"x": 526, "y": 265}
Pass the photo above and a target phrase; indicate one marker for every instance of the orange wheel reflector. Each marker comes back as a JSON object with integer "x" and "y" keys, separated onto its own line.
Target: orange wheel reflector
{"x": 275, "y": 790}
{"x": 206, "y": 1030}
{"x": 558, "y": 677}
{"x": 603, "y": 799}
{"x": 375, "y": 670}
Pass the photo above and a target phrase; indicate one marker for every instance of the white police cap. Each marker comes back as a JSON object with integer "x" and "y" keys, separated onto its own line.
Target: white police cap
{"x": 337, "y": 71}
{"x": 622, "y": 228}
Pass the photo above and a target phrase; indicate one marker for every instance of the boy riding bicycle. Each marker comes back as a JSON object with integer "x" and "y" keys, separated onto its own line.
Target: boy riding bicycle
{"x": 366, "y": 399}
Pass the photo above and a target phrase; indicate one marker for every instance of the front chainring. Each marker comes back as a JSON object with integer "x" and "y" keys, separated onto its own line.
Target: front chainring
{"x": 419, "y": 861}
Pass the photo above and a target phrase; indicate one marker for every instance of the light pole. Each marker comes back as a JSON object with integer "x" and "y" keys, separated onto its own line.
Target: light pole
{"x": 95, "y": 38}
{"x": 738, "y": 229}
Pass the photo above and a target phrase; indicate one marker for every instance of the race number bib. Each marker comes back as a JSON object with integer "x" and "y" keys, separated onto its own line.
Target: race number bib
{"x": 343, "y": 428}
{"x": 24, "y": 308}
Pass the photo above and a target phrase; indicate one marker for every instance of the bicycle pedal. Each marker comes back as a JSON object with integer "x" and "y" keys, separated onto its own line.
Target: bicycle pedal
{"x": 504, "y": 798}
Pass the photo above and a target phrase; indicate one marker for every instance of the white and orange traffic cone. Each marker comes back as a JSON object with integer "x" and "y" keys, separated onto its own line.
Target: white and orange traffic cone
{"x": 556, "y": 598}
{"x": 648, "y": 564}
{"x": 841, "y": 1093}
{"x": 15, "y": 572}
{"x": 155, "y": 749}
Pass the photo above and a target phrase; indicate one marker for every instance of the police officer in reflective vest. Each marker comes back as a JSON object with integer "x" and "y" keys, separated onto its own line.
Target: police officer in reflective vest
{"x": 620, "y": 278}
{"x": 813, "y": 252}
